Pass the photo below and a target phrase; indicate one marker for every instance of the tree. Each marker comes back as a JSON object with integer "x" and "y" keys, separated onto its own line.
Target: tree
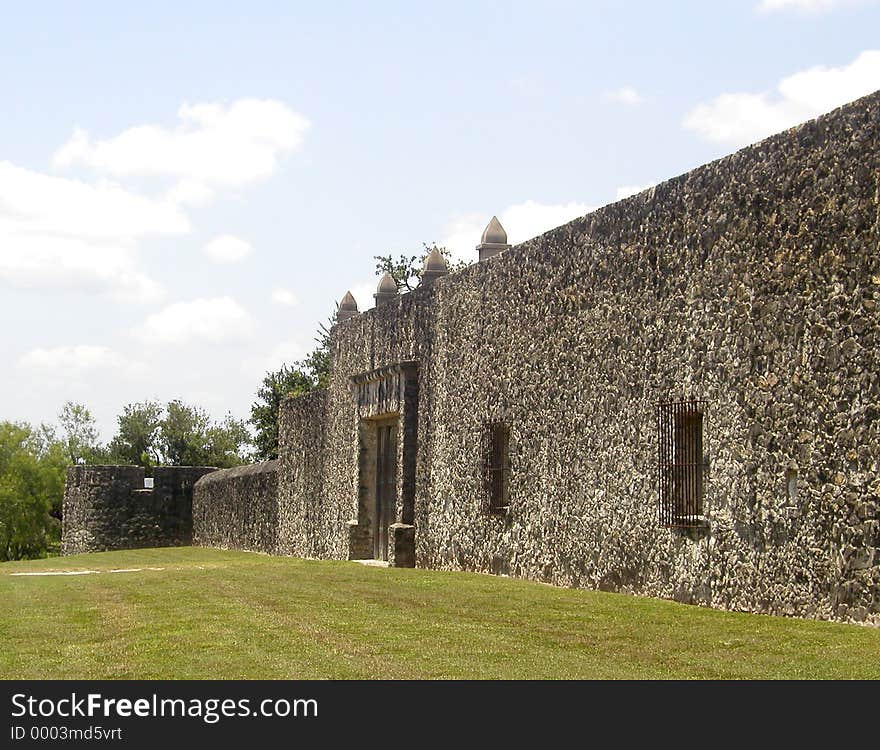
{"x": 275, "y": 388}
{"x": 302, "y": 377}
{"x": 407, "y": 269}
{"x": 177, "y": 434}
{"x": 136, "y": 439}
{"x": 31, "y": 486}
{"x": 228, "y": 443}
{"x": 80, "y": 433}
{"x": 183, "y": 435}
{"x": 54, "y": 458}
{"x": 316, "y": 364}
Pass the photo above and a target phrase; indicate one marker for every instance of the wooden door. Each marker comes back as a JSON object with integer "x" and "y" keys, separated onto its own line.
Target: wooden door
{"x": 386, "y": 488}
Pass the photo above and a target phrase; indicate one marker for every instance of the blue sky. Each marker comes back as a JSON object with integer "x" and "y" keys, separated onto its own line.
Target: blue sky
{"x": 187, "y": 188}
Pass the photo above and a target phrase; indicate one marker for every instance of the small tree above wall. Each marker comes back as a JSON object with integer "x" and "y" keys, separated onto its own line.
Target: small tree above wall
{"x": 407, "y": 270}
{"x": 302, "y": 377}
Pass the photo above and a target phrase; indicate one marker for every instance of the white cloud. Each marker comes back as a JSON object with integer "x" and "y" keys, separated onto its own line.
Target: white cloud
{"x": 214, "y": 145}
{"x": 212, "y": 320}
{"x": 522, "y": 221}
{"x": 58, "y": 233}
{"x": 807, "y": 6}
{"x": 190, "y": 193}
{"x": 625, "y": 95}
{"x": 227, "y": 249}
{"x": 43, "y": 204}
{"x": 625, "y": 191}
{"x": 283, "y": 297}
{"x": 72, "y": 360}
{"x": 35, "y": 261}
{"x": 743, "y": 118}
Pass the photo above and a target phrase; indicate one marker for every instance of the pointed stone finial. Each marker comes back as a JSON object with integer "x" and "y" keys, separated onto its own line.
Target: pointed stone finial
{"x": 493, "y": 241}
{"x": 386, "y": 291}
{"x": 348, "y": 308}
{"x": 494, "y": 233}
{"x": 435, "y": 267}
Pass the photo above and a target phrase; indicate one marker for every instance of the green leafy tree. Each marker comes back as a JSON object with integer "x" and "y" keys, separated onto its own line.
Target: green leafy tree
{"x": 136, "y": 439}
{"x": 406, "y": 270}
{"x": 183, "y": 435}
{"x": 80, "y": 433}
{"x": 228, "y": 443}
{"x": 316, "y": 364}
{"x": 54, "y": 459}
{"x": 275, "y": 388}
{"x": 304, "y": 376}
{"x": 32, "y": 469}
{"x": 188, "y": 437}
{"x": 177, "y": 434}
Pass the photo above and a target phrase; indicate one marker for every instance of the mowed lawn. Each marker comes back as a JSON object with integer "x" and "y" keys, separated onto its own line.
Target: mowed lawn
{"x": 218, "y": 614}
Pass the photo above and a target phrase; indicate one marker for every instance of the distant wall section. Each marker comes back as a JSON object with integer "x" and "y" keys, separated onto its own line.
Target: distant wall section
{"x": 109, "y": 508}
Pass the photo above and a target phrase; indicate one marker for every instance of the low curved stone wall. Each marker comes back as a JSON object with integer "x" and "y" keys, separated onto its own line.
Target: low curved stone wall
{"x": 238, "y": 508}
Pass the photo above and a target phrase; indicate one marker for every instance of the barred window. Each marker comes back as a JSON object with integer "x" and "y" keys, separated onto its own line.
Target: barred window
{"x": 681, "y": 464}
{"x": 497, "y": 467}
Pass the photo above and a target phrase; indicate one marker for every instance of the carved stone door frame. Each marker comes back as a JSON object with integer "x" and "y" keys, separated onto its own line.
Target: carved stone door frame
{"x": 387, "y": 396}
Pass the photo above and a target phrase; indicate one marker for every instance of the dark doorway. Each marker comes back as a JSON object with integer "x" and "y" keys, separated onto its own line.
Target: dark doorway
{"x": 386, "y": 487}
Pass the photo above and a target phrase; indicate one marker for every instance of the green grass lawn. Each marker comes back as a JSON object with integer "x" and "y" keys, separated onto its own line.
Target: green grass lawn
{"x": 217, "y": 614}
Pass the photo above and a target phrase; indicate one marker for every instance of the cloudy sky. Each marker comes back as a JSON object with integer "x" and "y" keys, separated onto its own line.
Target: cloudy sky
{"x": 187, "y": 188}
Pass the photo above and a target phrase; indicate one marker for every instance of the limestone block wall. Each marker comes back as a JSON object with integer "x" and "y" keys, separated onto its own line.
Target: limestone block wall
{"x": 237, "y": 508}
{"x": 108, "y": 508}
{"x": 751, "y": 283}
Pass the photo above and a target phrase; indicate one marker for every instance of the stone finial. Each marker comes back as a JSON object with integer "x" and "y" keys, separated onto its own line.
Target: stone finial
{"x": 435, "y": 267}
{"x": 348, "y": 308}
{"x": 493, "y": 241}
{"x": 494, "y": 233}
{"x": 386, "y": 291}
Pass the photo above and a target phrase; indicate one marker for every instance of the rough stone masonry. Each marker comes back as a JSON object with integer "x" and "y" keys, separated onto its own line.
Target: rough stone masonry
{"x": 509, "y": 417}
{"x": 111, "y": 507}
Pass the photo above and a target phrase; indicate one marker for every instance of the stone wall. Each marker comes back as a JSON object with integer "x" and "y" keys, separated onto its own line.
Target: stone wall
{"x": 238, "y": 508}
{"x": 108, "y": 507}
{"x": 751, "y": 283}
{"x": 308, "y": 525}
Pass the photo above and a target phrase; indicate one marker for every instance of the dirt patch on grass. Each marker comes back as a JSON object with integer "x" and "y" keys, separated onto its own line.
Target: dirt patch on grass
{"x": 82, "y": 572}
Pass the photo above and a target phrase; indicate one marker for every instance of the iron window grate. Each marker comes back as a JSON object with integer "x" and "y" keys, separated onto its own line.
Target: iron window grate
{"x": 681, "y": 466}
{"x": 496, "y": 452}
